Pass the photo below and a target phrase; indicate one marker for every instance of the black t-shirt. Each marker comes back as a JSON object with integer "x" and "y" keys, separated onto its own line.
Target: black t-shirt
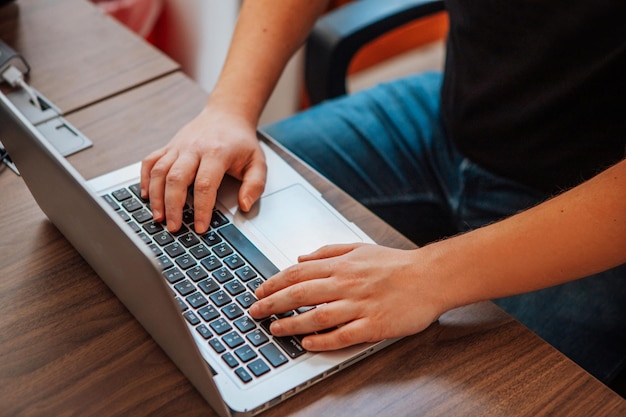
{"x": 535, "y": 90}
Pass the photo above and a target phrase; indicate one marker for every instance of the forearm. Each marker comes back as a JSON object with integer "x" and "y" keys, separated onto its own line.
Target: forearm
{"x": 267, "y": 34}
{"x": 573, "y": 235}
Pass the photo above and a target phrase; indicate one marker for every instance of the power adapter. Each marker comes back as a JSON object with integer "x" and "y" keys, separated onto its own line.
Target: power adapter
{"x": 8, "y": 58}
{"x": 13, "y": 68}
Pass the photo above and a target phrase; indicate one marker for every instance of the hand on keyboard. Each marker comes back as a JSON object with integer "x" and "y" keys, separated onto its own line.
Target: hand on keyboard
{"x": 201, "y": 153}
{"x": 370, "y": 292}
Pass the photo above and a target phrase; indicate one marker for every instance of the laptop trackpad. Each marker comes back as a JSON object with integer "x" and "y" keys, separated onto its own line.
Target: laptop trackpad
{"x": 297, "y": 222}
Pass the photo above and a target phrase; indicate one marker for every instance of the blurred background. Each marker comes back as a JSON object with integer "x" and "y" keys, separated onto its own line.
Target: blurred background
{"x": 196, "y": 34}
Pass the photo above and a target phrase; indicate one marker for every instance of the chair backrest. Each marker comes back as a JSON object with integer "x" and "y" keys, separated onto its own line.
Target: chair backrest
{"x": 362, "y": 33}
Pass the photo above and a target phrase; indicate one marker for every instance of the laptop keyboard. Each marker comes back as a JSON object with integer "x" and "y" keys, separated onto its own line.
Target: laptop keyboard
{"x": 213, "y": 277}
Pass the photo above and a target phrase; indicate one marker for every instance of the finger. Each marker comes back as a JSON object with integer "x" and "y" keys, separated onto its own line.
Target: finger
{"x": 329, "y": 251}
{"x": 156, "y": 186}
{"x": 208, "y": 180}
{"x": 253, "y": 184}
{"x": 323, "y": 317}
{"x": 178, "y": 179}
{"x": 352, "y": 333}
{"x": 146, "y": 167}
{"x": 294, "y": 274}
{"x": 308, "y": 293}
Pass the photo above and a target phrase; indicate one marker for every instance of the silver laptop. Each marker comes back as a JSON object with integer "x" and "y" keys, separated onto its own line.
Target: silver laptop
{"x": 191, "y": 292}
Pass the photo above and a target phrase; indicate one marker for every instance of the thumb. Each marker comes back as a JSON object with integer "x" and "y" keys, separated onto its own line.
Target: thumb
{"x": 252, "y": 184}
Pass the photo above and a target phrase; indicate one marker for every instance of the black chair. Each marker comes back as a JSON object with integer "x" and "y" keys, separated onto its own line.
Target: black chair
{"x": 340, "y": 34}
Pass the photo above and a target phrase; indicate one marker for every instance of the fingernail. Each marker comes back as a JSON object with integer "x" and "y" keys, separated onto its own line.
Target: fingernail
{"x": 200, "y": 227}
{"x": 259, "y": 292}
{"x": 276, "y": 328}
{"x": 246, "y": 204}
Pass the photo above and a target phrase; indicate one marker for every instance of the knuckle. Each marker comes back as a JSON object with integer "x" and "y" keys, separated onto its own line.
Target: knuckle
{"x": 298, "y": 293}
{"x": 158, "y": 170}
{"x": 322, "y": 317}
{"x": 202, "y": 185}
{"x": 345, "y": 336}
{"x": 174, "y": 177}
{"x": 293, "y": 274}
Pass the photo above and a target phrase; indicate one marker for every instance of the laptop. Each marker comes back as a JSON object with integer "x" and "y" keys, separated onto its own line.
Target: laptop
{"x": 191, "y": 292}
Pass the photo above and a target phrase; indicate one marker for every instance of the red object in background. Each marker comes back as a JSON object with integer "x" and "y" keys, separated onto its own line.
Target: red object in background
{"x": 138, "y": 15}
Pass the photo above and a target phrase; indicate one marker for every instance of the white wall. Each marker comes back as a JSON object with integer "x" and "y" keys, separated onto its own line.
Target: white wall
{"x": 196, "y": 34}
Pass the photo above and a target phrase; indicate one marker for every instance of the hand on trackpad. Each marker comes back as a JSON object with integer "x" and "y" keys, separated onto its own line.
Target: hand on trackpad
{"x": 297, "y": 222}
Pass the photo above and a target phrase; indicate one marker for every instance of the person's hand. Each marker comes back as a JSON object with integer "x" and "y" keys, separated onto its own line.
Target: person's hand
{"x": 211, "y": 145}
{"x": 371, "y": 292}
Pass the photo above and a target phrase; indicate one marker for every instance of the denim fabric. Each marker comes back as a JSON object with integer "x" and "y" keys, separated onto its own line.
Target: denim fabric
{"x": 386, "y": 147}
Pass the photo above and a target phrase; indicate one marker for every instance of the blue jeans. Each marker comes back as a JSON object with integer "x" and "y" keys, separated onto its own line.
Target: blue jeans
{"x": 386, "y": 147}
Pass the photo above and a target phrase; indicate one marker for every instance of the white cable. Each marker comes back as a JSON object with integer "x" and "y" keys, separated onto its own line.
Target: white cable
{"x": 15, "y": 78}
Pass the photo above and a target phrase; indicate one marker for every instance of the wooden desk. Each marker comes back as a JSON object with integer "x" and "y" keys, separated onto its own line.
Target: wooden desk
{"x": 69, "y": 347}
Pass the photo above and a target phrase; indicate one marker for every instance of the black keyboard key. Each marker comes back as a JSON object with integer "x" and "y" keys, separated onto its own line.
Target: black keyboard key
{"x": 209, "y": 313}
{"x": 211, "y": 263}
{"x": 111, "y": 202}
{"x": 218, "y": 219}
{"x": 245, "y": 353}
{"x": 200, "y": 251}
{"x": 124, "y": 216}
{"x": 246, "y": 273}
{"x": 232, "y": 311}
{"x": 290, "y": 345}
{"x": 173, "y": 275}
{"x": 137, "y": 191}
{"x": 163, "y": 238}
{"x": 185, "y": 261}
{"x": 209, "y": 286}
{"x": 153, "y": 227}
{"x": 250, "y": 252}
{"x": 132, "y": 205}
{"x": 211, "y": 238}
{"x": 243, "y": 375}
{"x": 220, "y": 326}
{"x": 181, "y": 304}
{"x": 183, "y": 230}
{"x": 245, "y": 324}
{"x": 234, "y": 261}
{"x": 258, "y": 367}
{"x": 222, "y": 275}
{"x": 197, "y": 273}
{"x": 188, "y": 216}
{"x": 254, "y": 284}
{"x": 191, "y": 317}
{"x": 257, "y": 337}
{"x": 145, "y": 238}
{"x": 188, "y": 240}
{"x": 197, "y": 300}
{"x": 121, "y": 194}
{"x": 135, "y": 227}
{"x": 217, "y": 345}
{"x": 156, "y": 250}
{"x": 273, "y": 355}
{"x": 230, "y": 359}
{"x": 232, "y": 339}
{"x": 222, "y": 250}
{"x": 165, "y": 262}
{"x": 234, "y": 287}
{"x": 175, "y": 249}
{"x": 246, "y": 299}
{"x": 204, "y": 331}
{"x": 220, "y": 298}
{"x": 185, "y": 288}
{"x": 142, "y": 216}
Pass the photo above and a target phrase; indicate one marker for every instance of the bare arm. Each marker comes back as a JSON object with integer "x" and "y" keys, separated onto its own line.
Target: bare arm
{"x": 576, "y": 234}
{"x": 222, "y": 138}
